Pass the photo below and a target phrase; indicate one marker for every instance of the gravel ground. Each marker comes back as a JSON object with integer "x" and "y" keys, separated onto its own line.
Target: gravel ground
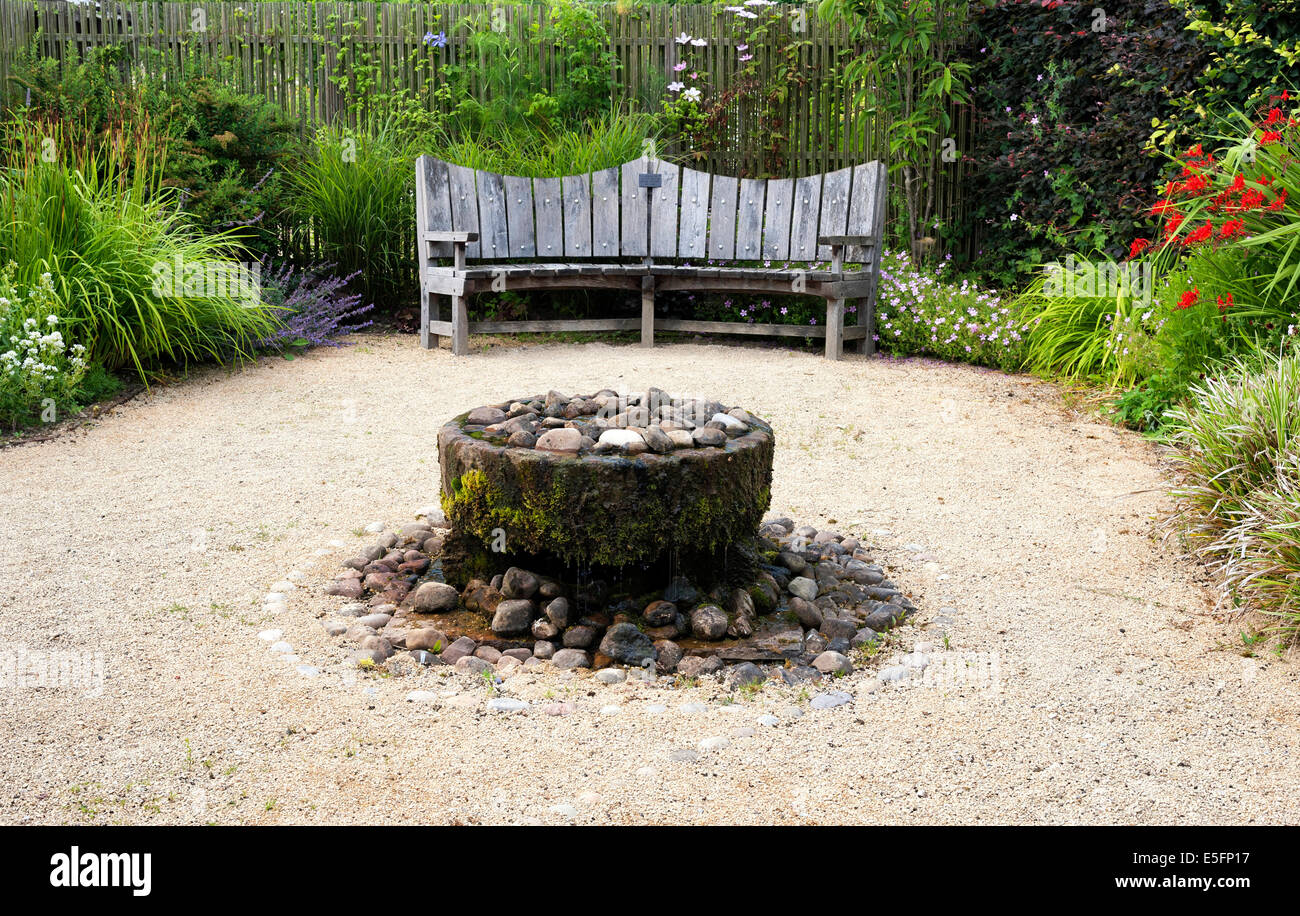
{"x": 1079, "y": 676}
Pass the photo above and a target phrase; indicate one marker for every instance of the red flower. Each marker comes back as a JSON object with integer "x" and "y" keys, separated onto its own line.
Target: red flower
{"x": 1250, "y": 200}
{"x": 1270, "y": 136}
{"x": 1199, "y": 234}
{"x": 1138, "y": 246}
{"x": 1188, "y": 299}
{"x": 1224, "y": 304}
{"x": 1278, "y": 203}
{"x": 1230, "y": 228}
{"x": 1195, "y": 151}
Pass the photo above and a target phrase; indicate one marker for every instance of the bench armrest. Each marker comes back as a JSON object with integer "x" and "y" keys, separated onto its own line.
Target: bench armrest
{"x": 840, "y": 240}
{"x": 450, "y": 236}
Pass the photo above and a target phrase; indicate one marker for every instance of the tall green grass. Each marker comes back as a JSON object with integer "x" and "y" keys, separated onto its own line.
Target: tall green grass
{"x": 1076, "y": 335}
{"x": 356, "y": 192}
{"x": 1238, "y": 462}
{"x": 98, "y": 226}
{"x": 606, "y": 141}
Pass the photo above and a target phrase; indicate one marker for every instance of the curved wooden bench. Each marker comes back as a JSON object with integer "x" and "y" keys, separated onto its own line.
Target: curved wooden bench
{"x": 648, "y": 225}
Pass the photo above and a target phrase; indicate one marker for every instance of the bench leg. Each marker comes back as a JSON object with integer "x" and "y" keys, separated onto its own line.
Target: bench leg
{"x": 647, "y": 311}
{"x": 459, "y": 326}
{"x": 430, "y": 310}
{"x": 867, "y": 319}
{"x": 834, "y": 328}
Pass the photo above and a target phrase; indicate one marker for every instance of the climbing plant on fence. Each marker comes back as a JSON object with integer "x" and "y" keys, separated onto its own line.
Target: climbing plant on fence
{"x": 789, "y": 109}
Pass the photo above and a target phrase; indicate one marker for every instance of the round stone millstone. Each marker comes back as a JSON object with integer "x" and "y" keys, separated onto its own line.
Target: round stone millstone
{"x": 611, "y": 502}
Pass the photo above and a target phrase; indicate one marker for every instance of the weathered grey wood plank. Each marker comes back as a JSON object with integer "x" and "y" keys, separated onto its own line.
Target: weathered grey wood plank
{"x": 494, "y": 232}
{"x": 604, "y": 213}
{"x": 776, "y": 219}
{"x": 835, "y": 207}
{"x": 547, "y": 201}
{"x": 663, "y": 210}
{"x": 519, "y": 216}
{"x": 736, "y": 327}
{"x": 433, "y": 203}
{"x": 577, "y": 216}
{"x": 464, "y": 204}
{"x": 635, "y": 241}
{"x": 722, "y": 217}
{"x": 803, "y": 225}
{"x": 559, "y": 324}
{"x": 749, "y": 219}
{"x": 694, "y": 222}
{"x": 834, "y": 328}
{"x": 865, "y": 208}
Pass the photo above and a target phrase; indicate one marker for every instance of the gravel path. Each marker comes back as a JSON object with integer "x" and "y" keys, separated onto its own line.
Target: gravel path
{"x": 1084, "y": 678}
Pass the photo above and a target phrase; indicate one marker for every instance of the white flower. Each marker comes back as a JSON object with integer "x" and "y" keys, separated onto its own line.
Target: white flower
{"x": 52, "y": 320}
{"x": 699, "y": 42}
{"x": 676, "y": 87}
{"x": 692, "y": 94}
{"x": 682, "y": 38}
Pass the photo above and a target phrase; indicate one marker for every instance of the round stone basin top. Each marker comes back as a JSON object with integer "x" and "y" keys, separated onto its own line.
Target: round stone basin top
{"x": 609, "y": 424}
{"x": 605, "y": 479}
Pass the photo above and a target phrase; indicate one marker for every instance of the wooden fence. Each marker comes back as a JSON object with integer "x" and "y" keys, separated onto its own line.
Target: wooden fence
{"x": 291, "y": 52}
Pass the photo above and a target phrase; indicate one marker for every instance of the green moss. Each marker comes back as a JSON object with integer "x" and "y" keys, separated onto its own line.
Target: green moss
{"x": 611, "y": 513}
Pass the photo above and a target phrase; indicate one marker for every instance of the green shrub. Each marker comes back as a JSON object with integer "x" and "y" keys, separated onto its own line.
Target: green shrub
{"x": 1090, "y": 319}
{"x": 222, "y": 150}
{"x": 1238, "y": 463}
{"x": 356, "y": 192}
{"x": 106, "y": 240}
{"x": 40, "y": 374}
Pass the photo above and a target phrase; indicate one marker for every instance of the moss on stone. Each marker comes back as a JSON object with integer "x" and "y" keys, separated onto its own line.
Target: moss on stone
{"x": 606, "y": 511}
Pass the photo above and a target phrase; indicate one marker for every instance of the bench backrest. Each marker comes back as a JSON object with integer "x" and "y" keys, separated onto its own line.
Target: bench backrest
{"x": 692, "y": 214}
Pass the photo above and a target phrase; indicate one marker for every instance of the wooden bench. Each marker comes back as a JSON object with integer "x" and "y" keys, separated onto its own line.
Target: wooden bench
{"x": 650, "y": 226}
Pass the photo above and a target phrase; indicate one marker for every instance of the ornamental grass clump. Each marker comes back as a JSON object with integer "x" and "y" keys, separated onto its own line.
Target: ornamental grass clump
{"x": 106, "y": 236}
{"x": 1238, "y": 464}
